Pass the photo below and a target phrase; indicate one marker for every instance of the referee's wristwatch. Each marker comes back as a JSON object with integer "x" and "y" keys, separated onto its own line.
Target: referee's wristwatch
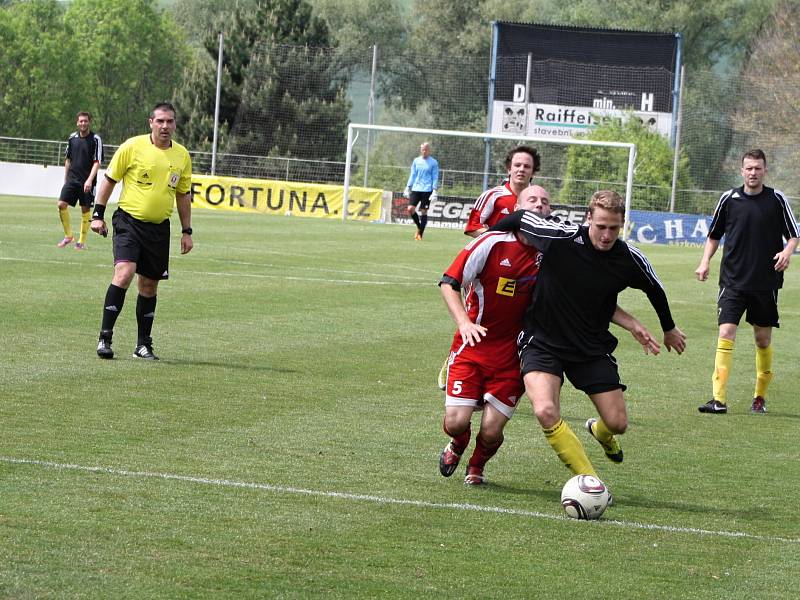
{"x": 187, "y": 230}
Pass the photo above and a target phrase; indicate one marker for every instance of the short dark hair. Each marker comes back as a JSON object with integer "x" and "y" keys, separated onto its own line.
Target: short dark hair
{"x": 537, "y": 161}
{"x": 756, "y": 154}
{"x": 162, "y": 106}
{"x": 83, "y": 113}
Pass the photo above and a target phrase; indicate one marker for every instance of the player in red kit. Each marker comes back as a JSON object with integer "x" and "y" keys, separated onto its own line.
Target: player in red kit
{"x": 497, "y": 273}
{"x": 498, "y": 202}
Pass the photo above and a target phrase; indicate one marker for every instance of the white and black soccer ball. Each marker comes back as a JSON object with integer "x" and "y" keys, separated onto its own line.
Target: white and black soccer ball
{"x": 584, "y": 497}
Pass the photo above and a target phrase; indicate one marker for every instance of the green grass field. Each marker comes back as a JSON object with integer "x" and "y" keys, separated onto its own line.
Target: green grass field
{"x": 286, "y": 444}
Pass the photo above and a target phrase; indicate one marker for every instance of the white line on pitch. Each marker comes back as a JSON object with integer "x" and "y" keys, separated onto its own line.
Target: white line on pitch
{"x": 254, "y": 275}
{"x": 384, "y": 500}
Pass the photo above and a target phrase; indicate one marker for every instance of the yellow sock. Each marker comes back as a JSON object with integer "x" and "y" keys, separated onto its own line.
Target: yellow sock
{"x": 601, "y": 432}
{"x": 63, "y": 213}
{"x": 763, "y": 370}
{"x": 722, "y": 367}
{"x": 569, "y": 449}
{"x": 86, "y": 219}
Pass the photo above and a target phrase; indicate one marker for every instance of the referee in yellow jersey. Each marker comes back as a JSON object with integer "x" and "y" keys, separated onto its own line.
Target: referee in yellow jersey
{"x": 156, "y": 174}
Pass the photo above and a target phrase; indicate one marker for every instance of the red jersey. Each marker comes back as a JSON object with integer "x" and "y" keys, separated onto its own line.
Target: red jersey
{"x": 491, "y": 206}
{"x": 497, "y": 274}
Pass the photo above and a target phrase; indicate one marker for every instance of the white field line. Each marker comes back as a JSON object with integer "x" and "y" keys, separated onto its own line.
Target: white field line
{"x": 280, "y": 489}
{"x": 431, "y": 282}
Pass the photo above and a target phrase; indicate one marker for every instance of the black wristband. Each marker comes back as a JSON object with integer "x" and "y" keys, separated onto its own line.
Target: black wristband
{"x": 99, "y": 212}
{"x": 187, "y": 230}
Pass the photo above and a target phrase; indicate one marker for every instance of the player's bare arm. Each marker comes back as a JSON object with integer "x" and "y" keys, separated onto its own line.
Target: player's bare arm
{"x": 87, "y": 185}
{"x": 184, "y": 204}
{"x": 639, "y": 332}
{"x": 471, "y": 333}
{"x": 675, "y": 339}
{"x": 783, "y": 258}
{"x": 709, "y": 250}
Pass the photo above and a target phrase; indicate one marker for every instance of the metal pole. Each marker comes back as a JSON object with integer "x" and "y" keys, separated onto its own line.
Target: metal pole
{"x": 216, "y": 109}
{"x": 629, "y": 191}
{"x": 346, "y": 194}
{"x": 487, "y": 151}
{"x": 528, "y": 90}
{"x": 677, "y": 147}
{"x": 371, "y": 110}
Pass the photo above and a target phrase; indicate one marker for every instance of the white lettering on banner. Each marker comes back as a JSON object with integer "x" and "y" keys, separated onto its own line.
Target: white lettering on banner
{"x": 648, "y": 101}
{"x": 602, "y": 103}
{"x": 642, "y": 238}
{"x": 449, "y": 210}
{"x": 558, "y": 121}
{"x": 700, "y": 229}
{"x": 519, "y": 92}
{"x": 673, "y": 229}
{"x": 573, "y": 216}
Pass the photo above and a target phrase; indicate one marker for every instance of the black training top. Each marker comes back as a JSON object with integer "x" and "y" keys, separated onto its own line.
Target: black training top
{"x": 754, "y": 228}
{"x": 82, "y": 152}
{"x": 576, "y": 295}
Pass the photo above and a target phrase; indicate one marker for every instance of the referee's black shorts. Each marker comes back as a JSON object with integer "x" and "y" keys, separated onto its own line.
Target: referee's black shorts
{"x": 591, "y": 374}
{"x": 146, "y": 244}
{"x": 760, "y": 308}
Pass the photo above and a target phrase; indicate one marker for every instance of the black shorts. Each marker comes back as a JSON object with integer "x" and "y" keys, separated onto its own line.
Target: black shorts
{"x": 72, "y": 193}
{"x": 146, "y": 244}
{"x": 761, "y": 307}
{"x": 423, "y": 199}
{"x": 591, "y": 375}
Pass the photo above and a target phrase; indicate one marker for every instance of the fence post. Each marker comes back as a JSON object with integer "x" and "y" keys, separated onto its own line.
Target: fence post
{"x": 216, "y": 108}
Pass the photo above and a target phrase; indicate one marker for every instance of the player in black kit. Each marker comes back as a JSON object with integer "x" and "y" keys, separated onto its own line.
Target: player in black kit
{"x": 566, "y": 330}
{"x": 81, "y": 163}
{"x": 755, "y": 220}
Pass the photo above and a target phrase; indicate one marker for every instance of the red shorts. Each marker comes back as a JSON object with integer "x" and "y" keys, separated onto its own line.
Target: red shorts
{"x": 473, "y": 383}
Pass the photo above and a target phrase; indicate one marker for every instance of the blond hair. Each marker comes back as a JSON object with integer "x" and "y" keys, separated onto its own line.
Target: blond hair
{"x": 608, "y": 200}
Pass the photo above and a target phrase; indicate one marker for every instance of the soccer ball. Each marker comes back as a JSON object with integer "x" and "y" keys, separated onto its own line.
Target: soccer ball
{"x": 584, "y": 497}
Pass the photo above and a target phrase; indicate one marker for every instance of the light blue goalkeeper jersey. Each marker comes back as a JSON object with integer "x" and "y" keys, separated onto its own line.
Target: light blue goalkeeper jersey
{"x": 424, "y": 175}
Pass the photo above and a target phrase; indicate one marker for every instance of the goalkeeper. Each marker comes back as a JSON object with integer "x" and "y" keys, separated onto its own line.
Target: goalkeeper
{"x": 421, "y": 187}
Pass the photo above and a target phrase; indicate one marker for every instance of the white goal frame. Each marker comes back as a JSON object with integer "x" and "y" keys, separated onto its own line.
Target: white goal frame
{"x": 354, "y": 128}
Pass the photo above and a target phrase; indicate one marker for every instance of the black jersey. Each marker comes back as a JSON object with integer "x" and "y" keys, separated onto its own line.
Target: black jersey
{"x": 576, "y": 295}
{"x": 754, "y": 228}
{"x": 82, "y": 152}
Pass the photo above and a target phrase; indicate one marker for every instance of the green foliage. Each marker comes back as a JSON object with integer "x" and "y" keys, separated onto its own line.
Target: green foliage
{"x": 114, "y": 58}
{"x": 38, "y": 73}
{"x": 608, "y": 166}
{"x": 271, "y": 94}
{"x": 132, "y": 55}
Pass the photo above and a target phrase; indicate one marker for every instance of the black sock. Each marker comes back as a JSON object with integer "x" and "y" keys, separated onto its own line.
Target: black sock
{"x": 423, "y": 221}
{"x": 115, "y": 298}
{"x": 145, "y": 314}
{"x": 415, "y": 217}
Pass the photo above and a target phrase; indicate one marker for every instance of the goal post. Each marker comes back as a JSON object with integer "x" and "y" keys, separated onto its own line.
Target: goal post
{"x": 401, "y": 146}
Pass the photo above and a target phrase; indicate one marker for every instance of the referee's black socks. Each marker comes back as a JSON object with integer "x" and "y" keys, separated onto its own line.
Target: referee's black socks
{"x": 145, "y": 314}
{"x": 115, "y": 298}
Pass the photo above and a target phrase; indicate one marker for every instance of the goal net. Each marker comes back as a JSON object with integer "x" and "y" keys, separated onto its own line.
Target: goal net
{"x": 571, "y": 170}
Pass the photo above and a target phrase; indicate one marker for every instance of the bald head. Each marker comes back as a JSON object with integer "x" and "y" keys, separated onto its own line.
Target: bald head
{"x": 535, "y": 198}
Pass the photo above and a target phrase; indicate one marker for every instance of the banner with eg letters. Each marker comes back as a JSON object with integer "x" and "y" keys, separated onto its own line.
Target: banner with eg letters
{"x": 284, "y": 197}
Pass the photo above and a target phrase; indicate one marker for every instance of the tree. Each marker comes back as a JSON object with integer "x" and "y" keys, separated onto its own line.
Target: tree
{"x": 131, "y": 54}
{"x": 768, "y": 114}
{"x": 275, "y": 88}
{"x": 590, "y": 168}
{"x": 39, "y": 87}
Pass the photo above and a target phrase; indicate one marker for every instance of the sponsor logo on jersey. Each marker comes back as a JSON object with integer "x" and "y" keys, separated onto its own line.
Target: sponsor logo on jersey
{"x": 505, "y": 263}
{"x": 506, "y": 287}
{"x": 504, "y": 211}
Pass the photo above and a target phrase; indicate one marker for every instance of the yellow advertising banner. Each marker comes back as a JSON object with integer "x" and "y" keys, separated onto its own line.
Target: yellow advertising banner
{"x": 284, "y": 197}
